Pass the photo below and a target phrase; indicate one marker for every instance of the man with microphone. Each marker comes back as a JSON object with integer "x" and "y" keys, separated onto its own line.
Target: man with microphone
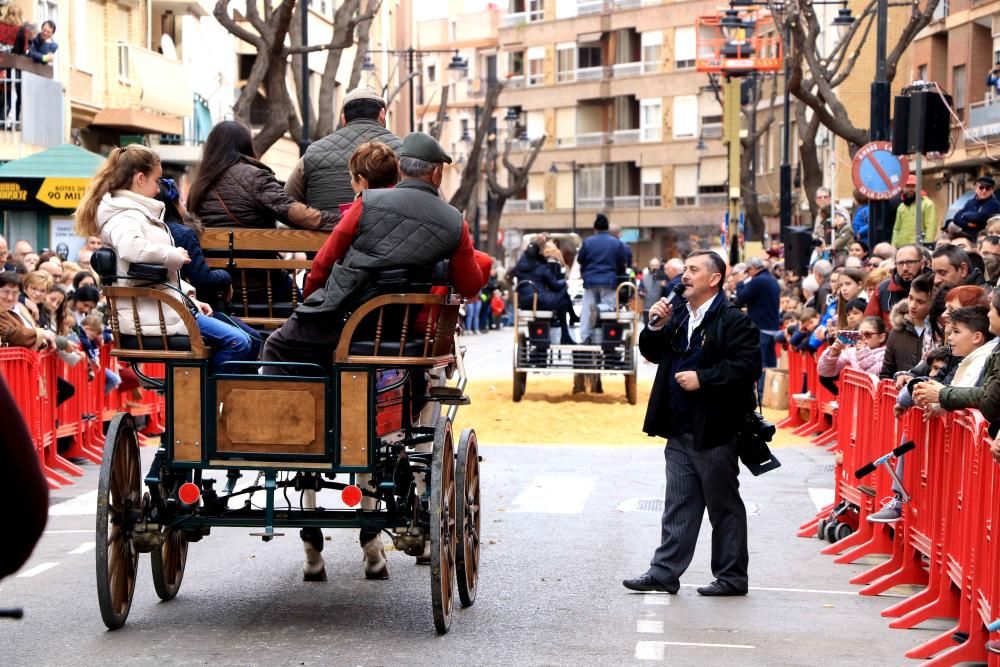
{"x": 708, "y": 353}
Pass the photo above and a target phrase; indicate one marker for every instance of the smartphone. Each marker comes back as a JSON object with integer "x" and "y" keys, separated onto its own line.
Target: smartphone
{"x": 849, "y": 337}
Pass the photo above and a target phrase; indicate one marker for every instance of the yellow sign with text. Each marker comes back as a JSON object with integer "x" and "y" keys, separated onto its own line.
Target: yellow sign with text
{"x": 62, "y": 192}
{"x": 12, "y": 192}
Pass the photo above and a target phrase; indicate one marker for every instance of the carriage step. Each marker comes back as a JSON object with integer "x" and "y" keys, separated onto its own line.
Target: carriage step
{"x": 449, "y": 396}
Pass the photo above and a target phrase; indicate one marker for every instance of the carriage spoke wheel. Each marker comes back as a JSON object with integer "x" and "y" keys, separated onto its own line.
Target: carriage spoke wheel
{"x": 119, "y": 506}
{"x": 443, "y": 526}
{"x": 520, "y": 385}
{"x": 467, "y": 511}
{"x": 168, "y": 563}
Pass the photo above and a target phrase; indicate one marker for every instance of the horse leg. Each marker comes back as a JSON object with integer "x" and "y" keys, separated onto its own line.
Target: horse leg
{"x": 314, "y": 569}
{"x": 373, "y": 552}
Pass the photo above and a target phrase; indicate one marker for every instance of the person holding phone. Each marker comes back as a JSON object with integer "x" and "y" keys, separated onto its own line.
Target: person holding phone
{"x": 864, "y": 354}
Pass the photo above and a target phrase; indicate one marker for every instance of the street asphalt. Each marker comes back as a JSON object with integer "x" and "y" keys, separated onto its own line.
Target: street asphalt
{"x": 563, "y": 525}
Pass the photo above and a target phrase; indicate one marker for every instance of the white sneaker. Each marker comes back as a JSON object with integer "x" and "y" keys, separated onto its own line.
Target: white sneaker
{"x": 805, "y": 396}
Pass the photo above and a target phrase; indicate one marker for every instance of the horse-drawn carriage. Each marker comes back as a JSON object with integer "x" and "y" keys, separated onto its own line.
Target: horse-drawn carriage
{"x": 381, "y": 411}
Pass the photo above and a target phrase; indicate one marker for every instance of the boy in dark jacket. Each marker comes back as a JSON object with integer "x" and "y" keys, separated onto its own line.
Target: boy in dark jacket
{"x": 911, "y": 336}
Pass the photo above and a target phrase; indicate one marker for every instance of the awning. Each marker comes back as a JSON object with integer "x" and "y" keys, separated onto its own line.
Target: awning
{"x": 714, "y": 171}
{"x": 138, "y": 121}
{"x": 53, "y": 179}
{"x": 588, "y": 37}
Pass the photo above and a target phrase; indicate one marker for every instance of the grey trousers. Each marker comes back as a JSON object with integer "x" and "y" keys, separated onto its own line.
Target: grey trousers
{"x": 700, "y": 479}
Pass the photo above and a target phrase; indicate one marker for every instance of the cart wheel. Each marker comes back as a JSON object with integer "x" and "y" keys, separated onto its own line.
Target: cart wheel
{"x": 443, "y": 526}
{"x": 520, "y": 385}
{"x": 168, "y": 563}
{"x": 467, "y": 510}
{"x": 119, "y": 505}
{"x": 843, "y": 530}
{"x": 831, "y": 532}
{"x": 821, "y": 529}
{"x": 631, "y": 388}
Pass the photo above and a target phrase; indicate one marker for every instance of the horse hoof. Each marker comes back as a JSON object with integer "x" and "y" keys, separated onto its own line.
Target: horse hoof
{"x": 315, "y": 576}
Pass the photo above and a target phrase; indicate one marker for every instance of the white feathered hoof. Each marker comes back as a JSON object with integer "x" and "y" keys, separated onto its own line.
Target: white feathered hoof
{"x": 314, "y": 569}
{"x": 376, "y": 565}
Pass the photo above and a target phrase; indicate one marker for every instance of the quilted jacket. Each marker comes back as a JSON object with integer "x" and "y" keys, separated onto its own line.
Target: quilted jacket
{"x": 254, "y": 198}
{"x": 327, "y": 178}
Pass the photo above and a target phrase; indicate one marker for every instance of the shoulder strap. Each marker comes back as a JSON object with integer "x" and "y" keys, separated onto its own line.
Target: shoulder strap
{"x": 226, "y": 209}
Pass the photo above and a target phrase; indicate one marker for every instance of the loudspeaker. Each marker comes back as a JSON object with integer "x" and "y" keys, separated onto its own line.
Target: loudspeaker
{"x": 798, "y": 250}
{"x": 922, "y": 124}
{"x": 901, "y": 126}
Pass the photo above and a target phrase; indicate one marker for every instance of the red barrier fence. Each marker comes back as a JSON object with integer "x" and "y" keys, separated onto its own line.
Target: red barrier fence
{"x": 945, "y": 540}
{"x": 33, "y": 379}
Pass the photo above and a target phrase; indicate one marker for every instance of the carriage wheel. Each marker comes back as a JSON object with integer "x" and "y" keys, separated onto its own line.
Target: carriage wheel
{"x": 631, "y": 388}
{"x": 467, "y": 510}
{"x": 119, "y": 506}
{"x": 443, "y": 526}
{"x": 520, "y": 385}
{"x": 168, "y": 563}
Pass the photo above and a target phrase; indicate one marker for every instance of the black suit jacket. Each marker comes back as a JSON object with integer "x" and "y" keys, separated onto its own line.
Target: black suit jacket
{"x": 730, "y": 365}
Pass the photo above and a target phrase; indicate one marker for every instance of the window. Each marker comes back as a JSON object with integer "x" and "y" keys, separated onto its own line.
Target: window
{"x": 651, "y": 189}
{"x": 536, "y": 65}
{"x": 566, "y": 62}
{"x": 536, "y": 124}
{"x": 652, "y": 48}
{"x": 515, "y": 63}
{"x": 684, "y": 47}
{"x": 431, "y": 73}
{"x": 589, "y": 55}
{"x": 685, "y": 116}
{"x": 590, "y": 186}
{"x": 958, "y": 85}
{"x": 123, "y": 64}
{"x": 81, "y": 33}
{"x": 651, "y": 120}
{"x": 48, "y": 10}
{"x": 686, "y": 185}
{"x": 922, "y": 72}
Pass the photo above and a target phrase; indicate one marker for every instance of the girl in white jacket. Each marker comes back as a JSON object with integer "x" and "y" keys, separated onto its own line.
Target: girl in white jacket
{"x": 120, "y": 208}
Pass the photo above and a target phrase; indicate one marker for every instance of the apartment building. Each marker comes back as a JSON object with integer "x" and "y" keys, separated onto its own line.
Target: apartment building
{"x": 631, "y": 127}
{"x": 957, "y": 51}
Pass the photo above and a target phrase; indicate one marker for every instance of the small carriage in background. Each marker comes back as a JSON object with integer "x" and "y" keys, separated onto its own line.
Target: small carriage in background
{"x": 365, "y": 414}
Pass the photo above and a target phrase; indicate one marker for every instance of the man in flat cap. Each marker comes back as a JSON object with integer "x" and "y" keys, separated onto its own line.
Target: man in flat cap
{"x": 321, "y": 178}
{"x": 977, "y": 210}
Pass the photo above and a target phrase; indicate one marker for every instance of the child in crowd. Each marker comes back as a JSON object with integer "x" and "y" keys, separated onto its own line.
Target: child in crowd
{"x": 95, "y": 334}
{"x": 865, "y": 356}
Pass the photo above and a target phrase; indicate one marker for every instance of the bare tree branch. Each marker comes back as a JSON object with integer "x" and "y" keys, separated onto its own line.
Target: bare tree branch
{"x": 441, "y": 114}
{"x": 472, "y": 170}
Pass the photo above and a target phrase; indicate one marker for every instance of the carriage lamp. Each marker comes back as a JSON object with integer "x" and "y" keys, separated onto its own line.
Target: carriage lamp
{"x": 189, "y": 494}
{"x": 351, "y": 495}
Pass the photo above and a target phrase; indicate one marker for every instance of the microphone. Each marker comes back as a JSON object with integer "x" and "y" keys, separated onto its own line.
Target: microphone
{"x": 674, "y": 293}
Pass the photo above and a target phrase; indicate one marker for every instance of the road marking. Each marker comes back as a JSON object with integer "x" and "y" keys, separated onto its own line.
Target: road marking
{"x": 555, "y": 494}
{"x": 653, "y": 650}
{"x": 652, "y": 627}
{"x": 65, "y": 532}
{"x": 83, "y": 548}
{"x": 38, "y": 569}
{"x": 83, "y": 504}
{"x": 821, "y": 497}
{"x": 818, "y": 591}
{"x": 658, "y": 599}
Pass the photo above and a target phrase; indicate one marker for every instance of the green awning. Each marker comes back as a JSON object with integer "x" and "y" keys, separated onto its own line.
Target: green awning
{"x": 53, "y": 179}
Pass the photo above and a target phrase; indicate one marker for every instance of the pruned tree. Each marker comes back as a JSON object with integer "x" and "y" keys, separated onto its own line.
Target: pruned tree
{"x": 815, "y": 76}
{"x": 463, "y": 196}
{"x": 517, "y": 179}
{"x": 270, "y": 26}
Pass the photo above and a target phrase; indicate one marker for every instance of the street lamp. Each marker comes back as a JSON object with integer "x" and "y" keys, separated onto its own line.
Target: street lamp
{"x": 458, "y": 66}
{"x": 574, "y": 168}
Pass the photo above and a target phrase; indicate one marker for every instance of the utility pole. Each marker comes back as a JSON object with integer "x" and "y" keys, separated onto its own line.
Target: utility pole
{"x": 785, "y": 184}
{"x": 304, "y": 141}
{"x": 879, "y": 121}
{"x": 731, "y": 137}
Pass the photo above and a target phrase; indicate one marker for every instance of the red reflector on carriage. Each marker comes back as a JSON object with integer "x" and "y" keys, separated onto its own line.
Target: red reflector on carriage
{"x": 612, "y": 333}
{"x": 189, "y": 493}
{"x": 351, "y": 495}
{"x": 539, "y": 332}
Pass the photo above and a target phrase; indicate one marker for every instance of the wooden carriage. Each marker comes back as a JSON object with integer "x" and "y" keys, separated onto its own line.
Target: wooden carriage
{"x": 315, "y": 430}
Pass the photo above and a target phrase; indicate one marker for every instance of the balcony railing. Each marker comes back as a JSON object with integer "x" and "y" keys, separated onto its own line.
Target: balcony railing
{"x": 590, "y": 7}
{"x": 650, "y": 67}
{"x": 592, "y": 139}
{"x": 984, "y": 118}
{"x": 536, "y": 205}
{"x": 625, "y": 201}
{"x": 31, "y": 103}
{"x": 711, "y": 131}
{"x": 712, "y": 199}
{"x": 591, "y": 73}
{"x": 627, "y": 69}
{"x": 630, "y": 136}
{"x": 652, "y": 134}
{"x": 516, "y": 205}
{"x": 515, "y": 81}
{"x": 652, "y": 201}
{"x": 565, "y": 142}
{"x": 536, "y": 79}
{"x": 519, "y": 18}
{"x": 628, "y": 4}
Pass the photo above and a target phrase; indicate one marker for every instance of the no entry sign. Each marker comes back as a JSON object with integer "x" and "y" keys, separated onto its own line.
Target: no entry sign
{"x": 877, "y": 173}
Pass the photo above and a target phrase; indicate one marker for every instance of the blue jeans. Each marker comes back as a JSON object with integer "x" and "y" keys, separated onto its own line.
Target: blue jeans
{"x": 472, "y": 314}
{"x": 592, "y": 298}
{"x": 228, "y": 343}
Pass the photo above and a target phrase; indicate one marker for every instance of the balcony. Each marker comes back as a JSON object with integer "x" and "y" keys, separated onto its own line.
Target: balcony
{"x": 652, "y": 201}
{"x": 515, "y": 81}
{"x": 153, "y": 92}
{"x": 31, "y": 102}
{"x": 625, "y": 201}
{"x": 629, "y": 4}
{"x": 592, "y": 73}
{"x": 984, "y": 119}
{"x": 627, "y": 69}
{"x": 524, "y": 206}
{"x": 592, "y": 139}
{"x": 520, "y": 18}
{"x": 591, "y": 7}
{"x": 652, "y": 134}
{"x": 628, "y": 136}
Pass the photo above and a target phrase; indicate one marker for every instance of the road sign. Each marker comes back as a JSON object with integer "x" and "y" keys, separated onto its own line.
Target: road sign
{"x": 877, "y": 173}
{"x": 511, "y": 239}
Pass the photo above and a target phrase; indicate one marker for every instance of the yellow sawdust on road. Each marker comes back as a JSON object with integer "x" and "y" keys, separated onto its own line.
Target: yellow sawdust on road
{"x": 550, "y": 414}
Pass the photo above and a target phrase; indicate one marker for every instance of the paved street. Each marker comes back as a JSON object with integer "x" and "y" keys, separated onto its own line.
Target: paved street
{"x": 564, "y": 523}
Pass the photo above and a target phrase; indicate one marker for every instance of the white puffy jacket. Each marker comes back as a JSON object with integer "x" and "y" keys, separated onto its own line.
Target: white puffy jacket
{"x": 133, "y": 225}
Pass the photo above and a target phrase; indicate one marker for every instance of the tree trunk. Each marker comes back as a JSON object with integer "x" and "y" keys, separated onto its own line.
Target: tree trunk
{"x": 343, "y": 27}
{"x": 812, "y": 170}
{"x": 473, "y": 168}
{"x": 364, "y": 39}
{"x": 442, "y": 112}
{"x": 754, "y": 229}
{"x": 493, "y": 223}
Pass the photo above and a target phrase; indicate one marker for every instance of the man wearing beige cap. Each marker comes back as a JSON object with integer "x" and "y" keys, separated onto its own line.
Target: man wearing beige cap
{"x": 321, "y": 178}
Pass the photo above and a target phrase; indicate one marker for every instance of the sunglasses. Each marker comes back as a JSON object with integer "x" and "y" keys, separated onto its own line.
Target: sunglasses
{"x": 867, "y": 334}
{"x": 983, "y": 187}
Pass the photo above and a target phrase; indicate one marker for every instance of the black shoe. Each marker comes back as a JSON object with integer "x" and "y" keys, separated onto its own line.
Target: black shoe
{"x": 719, "y": 589}
{"x": 960, "y": 637}
{"x": 77, "y": 460}
{"x": 645, "y": 583}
